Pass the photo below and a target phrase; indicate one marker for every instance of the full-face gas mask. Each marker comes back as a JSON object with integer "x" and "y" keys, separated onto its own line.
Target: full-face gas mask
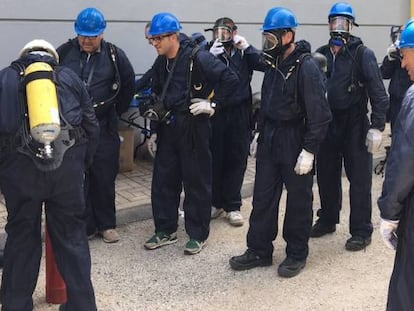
{"x": 339, "y": 30}
{"x": 223, "y": 31}
{"x": 224, "y": 34}
{"x": 272, "y": 45}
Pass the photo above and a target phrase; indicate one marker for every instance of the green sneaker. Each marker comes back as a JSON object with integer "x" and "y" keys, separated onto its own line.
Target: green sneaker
{"x": 193, "y": 247}
{"x": 160, "y": 239}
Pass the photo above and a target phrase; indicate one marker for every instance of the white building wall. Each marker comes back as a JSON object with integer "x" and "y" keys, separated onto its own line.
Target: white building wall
{"x": 24, "y": 20}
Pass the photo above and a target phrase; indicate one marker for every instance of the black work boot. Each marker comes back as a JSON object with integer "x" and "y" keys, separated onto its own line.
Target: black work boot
{"x": 357, "y": 243}
{"x": 290, "y": 267}
{"x": 320, "y": 229}
{"x": 249, "y": 260}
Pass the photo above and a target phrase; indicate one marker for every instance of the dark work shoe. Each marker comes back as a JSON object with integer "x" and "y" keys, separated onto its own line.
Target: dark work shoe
{"x": 357, "y": 243}
{"x": 319, "y": 229}
{"x": 290, "y": 267}
{"x": 248, "y": 261}
{"x": 62, "y": 307}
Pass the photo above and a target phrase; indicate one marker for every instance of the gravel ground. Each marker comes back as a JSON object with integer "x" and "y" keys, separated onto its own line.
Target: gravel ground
{"x": 127, "y": 277}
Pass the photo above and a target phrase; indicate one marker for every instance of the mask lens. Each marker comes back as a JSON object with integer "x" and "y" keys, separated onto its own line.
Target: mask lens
{"x": 339, "y": 24}
{"x": 269, "y": 41}
{"x": 223, "y": 34}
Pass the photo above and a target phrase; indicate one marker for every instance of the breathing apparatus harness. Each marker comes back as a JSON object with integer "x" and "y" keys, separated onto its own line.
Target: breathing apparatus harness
{"x": 272, "y": 56}
{"x": 44, "y": 159}
{"x": 153, "y": 108}
{"x": 356, "y": 70}
{"x": 116, "y": 86}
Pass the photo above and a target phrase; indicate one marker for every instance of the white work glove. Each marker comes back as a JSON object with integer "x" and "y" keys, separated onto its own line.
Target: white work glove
{"x": 388, "y": 230}
{"x": 253, "y": 145}
{"x": 304, "y": 164}
{"x": 240, "y": 42}
{"x": 217, "y": 48}
{"x": 200, "y": 105}
{"x": 373, "y": 140}
{"x": 392, "y": 52}
{"x": 152, "y": 145}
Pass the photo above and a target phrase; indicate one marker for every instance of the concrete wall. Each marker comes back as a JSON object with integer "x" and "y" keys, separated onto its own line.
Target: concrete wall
{"x": 24, "y": 20}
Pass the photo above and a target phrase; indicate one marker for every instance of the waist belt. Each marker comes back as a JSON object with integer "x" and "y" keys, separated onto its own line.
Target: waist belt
{"x": 11, "y": 141}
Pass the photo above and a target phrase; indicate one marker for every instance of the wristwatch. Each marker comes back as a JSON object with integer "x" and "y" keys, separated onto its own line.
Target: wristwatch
{"x": 213, "y": 105}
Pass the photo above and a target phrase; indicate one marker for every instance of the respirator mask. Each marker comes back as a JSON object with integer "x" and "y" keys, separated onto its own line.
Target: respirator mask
{"x": 272, "y": 45}
{"x": 339, "y": 30}
{"x": 224, "y": 34}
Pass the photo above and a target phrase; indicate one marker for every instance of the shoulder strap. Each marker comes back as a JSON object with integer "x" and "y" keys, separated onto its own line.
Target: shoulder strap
{"x": 19, "y": 67}
{"x": 299, "y": 62}
{"x": 115, "y": 60}
{"x": 190, "y": 69}
{"x": 357, "y": 73}
{"x": 113, "y": 54}
{"x": 170, "y": 74}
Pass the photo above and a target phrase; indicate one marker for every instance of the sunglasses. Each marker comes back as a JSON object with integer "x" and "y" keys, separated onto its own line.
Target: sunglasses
{"x": 87, "y": 37}
{"x": 158, "y": 39}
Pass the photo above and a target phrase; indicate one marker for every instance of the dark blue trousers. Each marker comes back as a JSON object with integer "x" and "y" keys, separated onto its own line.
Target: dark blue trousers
{"x": 345, "y": 143}
{"x": 183, "y": 160}
{"x": 400, "y": 297}
{"x": 277, "y": 152}
{"x": 100, "y": 182}
{"x": 229, "y": 148}
{"x": 25, "y": 189}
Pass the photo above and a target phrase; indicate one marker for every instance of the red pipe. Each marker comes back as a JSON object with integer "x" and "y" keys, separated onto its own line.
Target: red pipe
{"x": 55, "y": 285}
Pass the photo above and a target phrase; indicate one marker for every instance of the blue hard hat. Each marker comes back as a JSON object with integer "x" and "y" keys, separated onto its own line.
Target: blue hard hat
{"x": 164, "y": 23}
{"x": 279, "y": 18}
{"x": 90, "y": 22}
{"x": 407, "y": 36}
{"x": 342, "y": 9}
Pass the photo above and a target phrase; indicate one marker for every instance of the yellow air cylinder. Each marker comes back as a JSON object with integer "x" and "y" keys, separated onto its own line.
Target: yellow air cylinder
{"x": 42, "y": 103}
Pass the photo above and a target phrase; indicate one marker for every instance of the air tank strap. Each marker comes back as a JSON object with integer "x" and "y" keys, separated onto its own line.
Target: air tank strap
{"x": 39, "y": 75}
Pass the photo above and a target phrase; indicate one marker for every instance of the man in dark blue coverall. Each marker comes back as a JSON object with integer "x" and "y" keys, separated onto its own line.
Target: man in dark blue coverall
{"x": 231, "y": 127}
{"x": 183, "y": 78}
{"x": 294, "y": 120}
{"x": 29, "y": 179}
{"x": 353, "y": 76}
{"x": 396, "y": 203}
{"x": 109, "y": 79}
